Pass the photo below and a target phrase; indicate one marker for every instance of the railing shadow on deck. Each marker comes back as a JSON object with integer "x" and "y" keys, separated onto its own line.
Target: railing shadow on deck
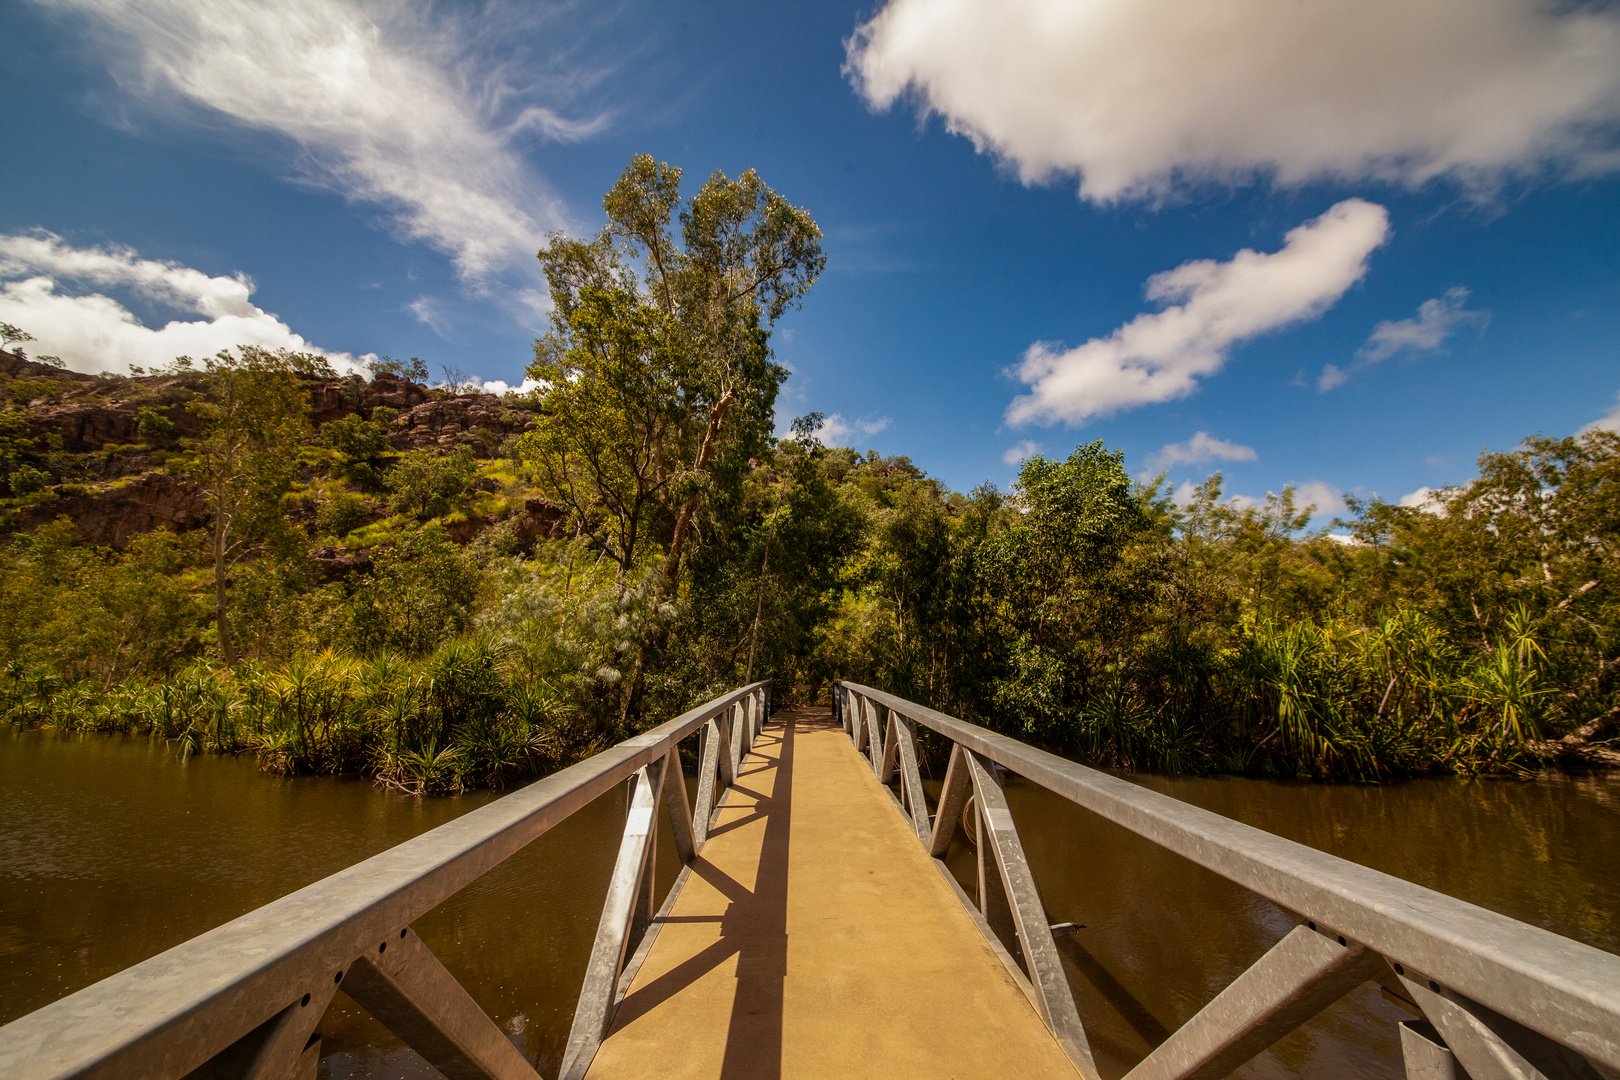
{"x": 1490, "y": 997}
{"x": 244, "y": 999}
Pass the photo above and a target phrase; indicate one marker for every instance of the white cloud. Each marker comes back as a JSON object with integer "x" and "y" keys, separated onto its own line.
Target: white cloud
{"x": 94, "y": 332}
{"x": 386, "y": 106}
{"x": 1424, "y": 498}
{"x": 1160, "y": 356}
{"x": 430, "y": 313}
{"x": 1327, "y": 499}
{"x": 1200, "y": 448}
{"x": 1437, "y": 319}
{"x": 837, "y": 431}
{"x": 1610, "y": 422}
{"x": 499, "y": 387}
{"x": 1138, "y": 97}
{"x": 1346, "y": 539}
{"x": 1026, "y": 449}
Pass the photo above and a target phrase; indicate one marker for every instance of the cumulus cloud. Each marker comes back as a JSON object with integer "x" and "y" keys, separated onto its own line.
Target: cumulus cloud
{"x": 1424, "y": 498}
{"x": 386, "y": 106}
{"x": 500, "y": 387}
{"x": 1326, "y": 499}
{"x": 1200, "y": 448}
{"x": 1137, "y": 97}
{"x": 91, "y": 331}
{"x": 835, "y": 430}
{"x": 1026, "y": 449}
{"x": 1323, "y": 499}
{"x": 1160, "y": 356}
{"x": 1610, "y": 422}
{"x": 1437, "y": 319}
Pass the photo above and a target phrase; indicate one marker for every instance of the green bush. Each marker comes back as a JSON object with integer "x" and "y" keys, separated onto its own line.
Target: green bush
{"x": 342, "y": 514}
{"x": 426, "y": 484}
{"x": 154, "y": 428}
{"x": 27, "y": 480}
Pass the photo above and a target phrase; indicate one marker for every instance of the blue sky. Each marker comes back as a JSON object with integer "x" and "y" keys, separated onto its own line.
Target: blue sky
{"x": 1428, "y": 195}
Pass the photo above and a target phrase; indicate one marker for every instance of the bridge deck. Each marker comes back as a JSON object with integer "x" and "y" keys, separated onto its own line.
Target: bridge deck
{"x": 814, "y": 938}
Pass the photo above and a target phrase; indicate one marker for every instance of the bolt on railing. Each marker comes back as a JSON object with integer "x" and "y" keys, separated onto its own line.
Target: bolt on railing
{"x": 244, "y": 999}
{"x": 1492, "y": 998}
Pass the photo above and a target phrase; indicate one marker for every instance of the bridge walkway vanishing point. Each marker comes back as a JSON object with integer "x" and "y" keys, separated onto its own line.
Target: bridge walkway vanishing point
{"x": 814, "y": 937}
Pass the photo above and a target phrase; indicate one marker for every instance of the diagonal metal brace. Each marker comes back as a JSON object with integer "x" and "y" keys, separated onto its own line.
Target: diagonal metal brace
{"x": 597, "y": 996}
{"x": 278, "y": 1048}
{"x": 672, "y": 781}
{"x": 1297, "y": 978}
{"x": 1034, "y": 933}
{"x": 910, "y": 776}
{"x": 406, "y": 987}
{"x": 1488, "y": 1045}
{"x": 953, "y": 797}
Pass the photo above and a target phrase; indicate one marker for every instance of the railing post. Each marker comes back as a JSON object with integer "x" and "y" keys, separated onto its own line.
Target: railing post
{"x": 728, "y": 753}
{"x": 710, "y": 745}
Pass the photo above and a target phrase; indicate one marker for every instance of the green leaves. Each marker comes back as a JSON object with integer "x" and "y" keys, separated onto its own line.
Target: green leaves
{"x": 427, "y": 484}
{"x": 657, "y": 368}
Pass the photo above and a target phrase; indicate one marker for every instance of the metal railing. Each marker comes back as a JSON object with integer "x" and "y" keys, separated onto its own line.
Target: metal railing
{"x": 1493, "y": 998}
{"x": 243, "y": 1000}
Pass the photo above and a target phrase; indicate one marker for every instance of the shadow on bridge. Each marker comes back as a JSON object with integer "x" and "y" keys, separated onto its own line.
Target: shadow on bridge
{"x": 753, "y": 927}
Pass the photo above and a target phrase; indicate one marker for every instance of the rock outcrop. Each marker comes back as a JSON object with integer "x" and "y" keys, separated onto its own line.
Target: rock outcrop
{"x": 479, "y": 420}
{"x": 113, "y": 516}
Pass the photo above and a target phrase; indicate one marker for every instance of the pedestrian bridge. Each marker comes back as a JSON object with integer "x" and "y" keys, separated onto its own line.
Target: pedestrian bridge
{"x": 813, "y": 931}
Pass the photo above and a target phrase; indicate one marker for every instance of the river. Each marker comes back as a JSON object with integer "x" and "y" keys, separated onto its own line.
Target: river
{"x": 115, "y": 848}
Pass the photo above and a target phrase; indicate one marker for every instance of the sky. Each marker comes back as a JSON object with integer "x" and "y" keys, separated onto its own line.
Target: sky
{"x": 1344, "y": 246}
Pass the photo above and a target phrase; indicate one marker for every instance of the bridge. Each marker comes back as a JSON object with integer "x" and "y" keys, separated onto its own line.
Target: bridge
{"x": 814, "y": 930}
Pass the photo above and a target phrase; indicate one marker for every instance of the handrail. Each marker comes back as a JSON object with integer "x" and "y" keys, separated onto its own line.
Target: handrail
{"x": 176, "y": 1011}
{"x": 1467, "y": 956}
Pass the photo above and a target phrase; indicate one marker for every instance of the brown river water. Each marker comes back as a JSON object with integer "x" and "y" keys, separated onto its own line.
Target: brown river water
{"x": 113, "y": 849}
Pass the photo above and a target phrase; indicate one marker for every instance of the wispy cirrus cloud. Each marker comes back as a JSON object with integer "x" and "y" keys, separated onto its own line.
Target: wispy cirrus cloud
{"x": 1215, "y": 306}
{"x": 1437, "y": 319}
{"x": 392, "y": 105}
{"x": 1140, "y": 98}
{"x": 92, "y": 331}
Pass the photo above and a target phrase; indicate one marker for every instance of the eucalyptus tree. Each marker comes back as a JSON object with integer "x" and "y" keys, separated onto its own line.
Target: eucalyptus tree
{"x": 658, "y": 360}
{"x": 256, "y": 415}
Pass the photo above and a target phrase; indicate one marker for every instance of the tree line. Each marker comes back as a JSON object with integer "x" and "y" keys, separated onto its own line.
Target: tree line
{"x": 687, "y": 549}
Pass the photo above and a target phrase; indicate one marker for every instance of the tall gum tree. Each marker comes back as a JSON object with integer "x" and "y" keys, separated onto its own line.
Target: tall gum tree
{"x": 659, "y": 355}
{"x": 257, "y": 415}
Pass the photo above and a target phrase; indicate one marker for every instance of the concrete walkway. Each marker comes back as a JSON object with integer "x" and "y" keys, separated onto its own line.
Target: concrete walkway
{"x": 815, "y": 938}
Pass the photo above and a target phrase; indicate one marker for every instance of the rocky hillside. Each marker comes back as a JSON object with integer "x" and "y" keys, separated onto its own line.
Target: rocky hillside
{"x": 110, "y": 453}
